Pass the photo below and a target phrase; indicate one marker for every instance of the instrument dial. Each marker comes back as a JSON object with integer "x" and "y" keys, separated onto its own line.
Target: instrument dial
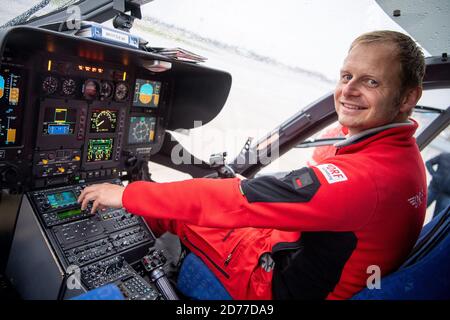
{"x": 104, "y": 121}
{"x": 90, "y": 89}
{"x": 50, "y": 84}
{"x": 106, "y": 90}
{"x": 69, "y": 86}
{"x": 121, "y": 92}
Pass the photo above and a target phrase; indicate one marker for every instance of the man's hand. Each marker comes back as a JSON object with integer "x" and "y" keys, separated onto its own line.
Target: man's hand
{"x": 103, "y": 195}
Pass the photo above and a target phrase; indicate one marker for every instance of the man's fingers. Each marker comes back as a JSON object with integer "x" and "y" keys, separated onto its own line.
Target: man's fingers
{"x": 88, "y": 197}
{"x": 82, "y": 195}
{"x": 100, "y": 194}
{"x": 86, "y": 191}
{"x": 95, "y": 205}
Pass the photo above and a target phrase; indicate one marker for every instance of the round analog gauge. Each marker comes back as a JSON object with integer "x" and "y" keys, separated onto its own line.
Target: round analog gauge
{"x": 121, "y": 92}
{"x": 103, "y": 121}
{"x": 106, "y": 90}
{"x": 69, "y": 86}
{"x": 50, "y": 84}
{"x": 90, "y": 89}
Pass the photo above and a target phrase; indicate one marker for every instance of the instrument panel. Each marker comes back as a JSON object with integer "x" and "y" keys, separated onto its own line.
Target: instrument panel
{"x": 74, "y": 109}
{"x": 75, "y": 112}
{"x": 86, "y": 117}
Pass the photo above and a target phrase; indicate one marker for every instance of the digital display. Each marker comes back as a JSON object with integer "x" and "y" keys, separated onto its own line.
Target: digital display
{"x": 103, "y": 121}
{"x": 60, "y": 199}
{"x": 100, "y": 149}
{"x": 10, "y": 111}
{"x": 59, "y": 121}
{"x": 58, "y": 129}
{"x": 146, "y": 93}
{"x": 68, "y": 214}
{"x": 142, "y": 130}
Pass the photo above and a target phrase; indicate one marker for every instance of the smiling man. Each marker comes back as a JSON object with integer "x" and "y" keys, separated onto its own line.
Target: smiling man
{"x": 372, "y": 90}
{"x": 317, "y": 232}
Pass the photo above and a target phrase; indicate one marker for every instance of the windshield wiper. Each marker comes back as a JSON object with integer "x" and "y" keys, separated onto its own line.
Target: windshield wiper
{"x": 425, "y": 109}
{"x": 26, "y": 15}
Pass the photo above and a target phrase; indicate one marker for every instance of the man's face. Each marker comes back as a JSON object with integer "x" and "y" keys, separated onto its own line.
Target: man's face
{"x": 367, "y": 94}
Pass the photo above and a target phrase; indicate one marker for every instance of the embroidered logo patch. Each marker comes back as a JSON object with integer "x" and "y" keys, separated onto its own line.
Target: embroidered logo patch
{"x": 416, "y": 200}
{"x": 266, "y": 262}
{"x": 332, "y": 173}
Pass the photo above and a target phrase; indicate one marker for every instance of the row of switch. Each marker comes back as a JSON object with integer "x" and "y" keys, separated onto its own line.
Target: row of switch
{"x": 104, "y": 173}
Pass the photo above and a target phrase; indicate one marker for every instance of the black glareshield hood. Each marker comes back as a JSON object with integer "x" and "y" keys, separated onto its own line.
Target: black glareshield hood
{"x": 199, "y": 93}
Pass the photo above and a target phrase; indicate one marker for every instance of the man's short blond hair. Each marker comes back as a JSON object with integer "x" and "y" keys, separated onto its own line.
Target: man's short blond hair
{"x": 410, "y": 55}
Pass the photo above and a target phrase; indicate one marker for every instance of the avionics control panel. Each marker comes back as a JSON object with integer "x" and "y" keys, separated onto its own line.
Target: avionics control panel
{"x": 85, "y": 117}
{"x": 81, "y": 237}
{"x": 89, "y": 114}
{"x": 59, "y": 205}
{"x": 117, "y": 270}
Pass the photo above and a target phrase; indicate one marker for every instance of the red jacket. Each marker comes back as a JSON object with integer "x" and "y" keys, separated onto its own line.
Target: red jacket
{"x": 325, "y": 225}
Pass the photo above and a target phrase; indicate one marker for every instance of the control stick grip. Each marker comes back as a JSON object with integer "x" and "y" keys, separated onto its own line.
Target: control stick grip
{"x": 153, "y": 263}
{"x": 159, "y": 277}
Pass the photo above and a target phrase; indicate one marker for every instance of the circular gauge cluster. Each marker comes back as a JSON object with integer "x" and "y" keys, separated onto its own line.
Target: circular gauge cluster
{"x": 51, "y": 85}
{"x": 92, "y": 89}
{"x": 104, "y": 90}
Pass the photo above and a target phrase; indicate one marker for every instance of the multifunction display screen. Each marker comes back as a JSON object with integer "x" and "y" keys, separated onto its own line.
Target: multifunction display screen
{"x": 146, "y": 93}
{"x": 142, "y": 130}
{"x": 59, "y": 121}
{"x": 10, "y": 110}
{"x": 61, "y": 199}
{"x": 99, "y": 149}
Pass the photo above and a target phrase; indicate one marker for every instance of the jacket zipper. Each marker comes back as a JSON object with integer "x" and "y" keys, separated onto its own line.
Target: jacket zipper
{"x": 230, "y": 255}
{"x": 207, "y": 257}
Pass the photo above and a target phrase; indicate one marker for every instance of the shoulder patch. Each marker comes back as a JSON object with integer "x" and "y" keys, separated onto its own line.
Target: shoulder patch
{"x": 301, "y": 180}
{"x": 332, "y": 173}
{"x": 297, "y": 186}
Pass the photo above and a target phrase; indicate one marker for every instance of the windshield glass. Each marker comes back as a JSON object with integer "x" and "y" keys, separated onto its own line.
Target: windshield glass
{"x": 23, "y": 10}
{"x": 282, "y": 56}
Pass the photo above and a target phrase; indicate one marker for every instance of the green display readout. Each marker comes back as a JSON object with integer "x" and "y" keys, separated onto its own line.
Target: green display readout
{"x": 100, "y": 149}
{"x": 68, "y": 214}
